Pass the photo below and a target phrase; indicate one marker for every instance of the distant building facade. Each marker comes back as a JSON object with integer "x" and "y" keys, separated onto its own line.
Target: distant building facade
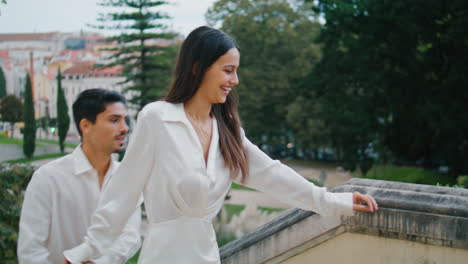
{"x": 84, "y": 76}
{"x": 43, "y": 54}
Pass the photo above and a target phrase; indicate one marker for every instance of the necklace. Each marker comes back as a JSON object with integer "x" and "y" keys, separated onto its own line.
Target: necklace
{"x": 202, "y": 131}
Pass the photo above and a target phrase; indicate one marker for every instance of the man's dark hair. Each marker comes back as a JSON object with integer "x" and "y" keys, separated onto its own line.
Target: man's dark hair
{"x": 92, "y": 102}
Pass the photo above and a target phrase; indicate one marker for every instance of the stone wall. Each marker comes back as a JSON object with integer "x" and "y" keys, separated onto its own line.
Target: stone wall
{"x": 415, "y": 224}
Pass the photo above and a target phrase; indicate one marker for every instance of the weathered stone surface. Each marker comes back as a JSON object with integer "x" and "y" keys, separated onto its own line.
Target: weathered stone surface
{"x": 412, "y": 212}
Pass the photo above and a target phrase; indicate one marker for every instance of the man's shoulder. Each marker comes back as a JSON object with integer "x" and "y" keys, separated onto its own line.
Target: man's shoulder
{"x": 61, "y": 165}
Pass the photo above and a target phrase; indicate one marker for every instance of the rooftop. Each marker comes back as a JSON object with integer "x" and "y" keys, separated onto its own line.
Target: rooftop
{"x": 27, "y": 36}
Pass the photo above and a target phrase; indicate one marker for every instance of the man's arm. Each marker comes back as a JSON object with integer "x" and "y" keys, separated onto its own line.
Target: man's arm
{"x": 34, "y": 222}
{"x": 127, "y": 243}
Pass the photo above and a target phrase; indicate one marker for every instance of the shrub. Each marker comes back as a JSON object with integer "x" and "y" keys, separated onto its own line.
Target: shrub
{"x": 406, "y": 174}
{"x": 13, "y": 182}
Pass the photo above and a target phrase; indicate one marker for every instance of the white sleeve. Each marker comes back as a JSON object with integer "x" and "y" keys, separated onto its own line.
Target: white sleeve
{"x": 126, "y": 245}
{"x": 120, "y": 197}
{"x": 34, "y": 222}
{"x": 280, "y": 181}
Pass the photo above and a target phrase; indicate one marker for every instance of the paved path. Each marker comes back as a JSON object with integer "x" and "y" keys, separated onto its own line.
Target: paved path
{"x": 13, "y": 152}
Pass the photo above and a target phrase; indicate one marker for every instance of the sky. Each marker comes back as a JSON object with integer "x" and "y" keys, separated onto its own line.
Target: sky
{"x": 28, "y": 16}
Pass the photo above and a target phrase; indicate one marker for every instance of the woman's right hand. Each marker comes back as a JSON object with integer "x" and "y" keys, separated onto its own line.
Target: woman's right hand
{"x": 364, "y": 203}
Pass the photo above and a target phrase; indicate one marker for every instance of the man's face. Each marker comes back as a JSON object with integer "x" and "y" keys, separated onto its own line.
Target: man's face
{"x": 108, "y": 133}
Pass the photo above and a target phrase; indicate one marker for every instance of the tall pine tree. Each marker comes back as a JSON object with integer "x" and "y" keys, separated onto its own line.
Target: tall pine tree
{"x": 63, "y": 120}
{"x": 29, "y": 135}
{"x": 142, "y": 46}
{"x": 2, "y": 83}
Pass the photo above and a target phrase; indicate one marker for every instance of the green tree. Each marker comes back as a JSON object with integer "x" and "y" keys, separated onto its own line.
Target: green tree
{"x": 277, "y": 51}
{"x": 2, "y": 83}
{"x": 63, "y": 119}
{"x": 29, "y": 136}
{"x": 142, "y": 46}
{"x": 11, "y": 110}
{"x": 396, "y": 74}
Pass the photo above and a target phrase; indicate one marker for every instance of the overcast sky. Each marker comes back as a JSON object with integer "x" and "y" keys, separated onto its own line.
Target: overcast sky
{"x": 25, "y": 16}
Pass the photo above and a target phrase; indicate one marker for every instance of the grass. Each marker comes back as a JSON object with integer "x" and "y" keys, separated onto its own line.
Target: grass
{"x": 236, "y": 186}
{"x": 270, "y": 210}
{"x": 405, "y": 174}
{"x": 48, "y": 141}
{"x": 14, "y": 141}
{"x": 134, "y": 259}
{"x": 233, "y": 209}
{"x": 324, "y": 165}
{"x": 35, "y": 158}
{"x": 10, "y": 141}
{"x": 315, "y": 182}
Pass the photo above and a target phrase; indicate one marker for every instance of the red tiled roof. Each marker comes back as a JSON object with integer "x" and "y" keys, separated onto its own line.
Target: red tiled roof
{"x": 110, "y": 70}
{"x": 88, "y": 68}
{"x": 81, "y": 68}
{"x": 27, "y": 36}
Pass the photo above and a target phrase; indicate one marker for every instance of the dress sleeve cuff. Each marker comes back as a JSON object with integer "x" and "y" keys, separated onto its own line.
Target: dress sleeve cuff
{"x": 343, "y": 203}
{"x": 79, "y": 254}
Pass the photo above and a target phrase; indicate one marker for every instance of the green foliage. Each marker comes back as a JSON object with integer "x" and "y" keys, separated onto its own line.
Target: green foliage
{"x": 13, "y": 182}
{"x": 10, "y": 141}
{"x": 144, "y": 47}
{"x": 224, "y": 237}
{"x": 406, "y": 174}
{"x": 393, "y": 74}
{"x": 270, "y": 210}
{"x": 317, "y": 183}
{"x": 29, "y": 137}
{"x": 277, "y": 51}
{"x": 233, "y": 209}
{"x": 236, "y": 186}
{"x": 134, "y": 259}
{"x": 48, "y": 141}
{"x": 40, "y": 157}
{"x": 2, "y": 83}
{"x": 63, "y": 120}
{"x": 462, "y": 180}
{"x": 11, "y": 110}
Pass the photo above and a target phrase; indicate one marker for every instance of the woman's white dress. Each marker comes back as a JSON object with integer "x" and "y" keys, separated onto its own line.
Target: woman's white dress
{"x": 182, "y": 195}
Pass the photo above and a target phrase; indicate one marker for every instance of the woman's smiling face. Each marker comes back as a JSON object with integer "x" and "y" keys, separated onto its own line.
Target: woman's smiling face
{"x": 220, "y": 78}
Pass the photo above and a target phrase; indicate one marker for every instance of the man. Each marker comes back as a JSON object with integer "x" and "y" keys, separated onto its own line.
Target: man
{"x": 63, "y": 194}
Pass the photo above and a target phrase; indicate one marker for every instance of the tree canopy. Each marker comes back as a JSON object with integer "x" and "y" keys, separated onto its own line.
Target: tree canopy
{"x": 11, "y": 110}
{"x": 393, "y": 74}
{"x": 2, "y": 83}
{"x": 144, "y": 48}
{"x": 29, "y": 132}
{"x": 63, "y": 119}
{"x": 277, "y": 51}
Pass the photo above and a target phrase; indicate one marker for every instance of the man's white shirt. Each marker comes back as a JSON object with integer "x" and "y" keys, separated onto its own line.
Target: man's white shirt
{"x": 59, "y": 202}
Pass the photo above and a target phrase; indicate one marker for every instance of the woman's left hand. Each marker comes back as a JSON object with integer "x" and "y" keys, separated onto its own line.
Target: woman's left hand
{"x": 364, "y": 203}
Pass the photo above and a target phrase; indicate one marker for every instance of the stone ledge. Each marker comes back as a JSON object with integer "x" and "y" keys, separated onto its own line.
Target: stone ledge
{"x": 426, "y": 214}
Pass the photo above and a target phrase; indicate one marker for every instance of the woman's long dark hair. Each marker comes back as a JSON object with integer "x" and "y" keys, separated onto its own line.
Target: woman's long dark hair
{"x": 202, "y": 47}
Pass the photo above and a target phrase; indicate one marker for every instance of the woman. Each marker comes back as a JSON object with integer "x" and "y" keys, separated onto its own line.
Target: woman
{"x": 184, "y": 153}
